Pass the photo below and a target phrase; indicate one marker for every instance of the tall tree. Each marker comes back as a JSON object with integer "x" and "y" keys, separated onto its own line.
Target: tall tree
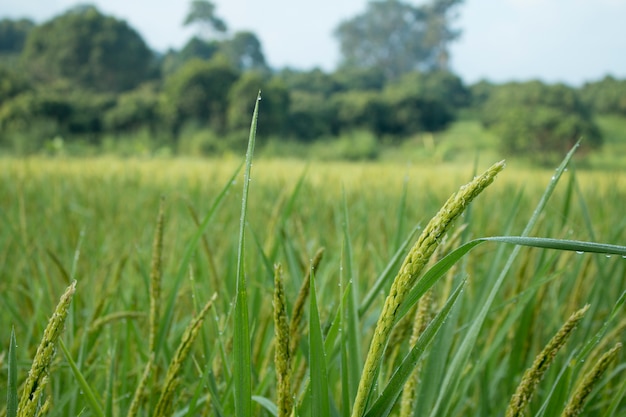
{"x": 539, "y": 120}
{"x": 90, "y": 50}
{"x": 399, "y": 37}
{"x": 202, "y": 14}
{"x": 245, "y": 51}
{"x": 198, "y": 92}
{"x": 13, "y": 35}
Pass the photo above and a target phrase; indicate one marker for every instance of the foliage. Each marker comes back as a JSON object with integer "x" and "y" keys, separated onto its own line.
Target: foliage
{"x": 91, "y": 50}
{"x": 134, "y": 110}
{"x": 417, "y": 105}
{"x": 398, "y": 37}
{"x": 607, "y": 96}
{"x": 275, "y": 103}
{"x": 198, "y": 92}
{"x": 539, "y": 120}
{"x": 245, "y": 52}
{"x": 12, "y": 83}
{"x": 13, "y": 34}
{"x": 354, "y": 145}
{"x": 311, "y": 116}
{"x": 359, "y": 79}
{"x": 194, "y": 48}
{"x": 312, "y": 81}
{"x": 362, "y": 110}
{"x": 202, "y": 13}
{"x": 65, "y": 113}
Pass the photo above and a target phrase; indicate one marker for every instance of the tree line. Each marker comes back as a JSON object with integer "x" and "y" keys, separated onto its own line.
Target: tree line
{"x": 87, "y": 78}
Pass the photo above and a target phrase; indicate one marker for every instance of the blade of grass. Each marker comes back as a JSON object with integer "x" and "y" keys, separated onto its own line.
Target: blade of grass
{"x": 561, "y": 244}
{"x": 320, "y": 404}
{"x": 90, "y": 395}
{"x": 242, "y": 367}
{"x": 12, "y": 377}
{"x": 384, "y": 403}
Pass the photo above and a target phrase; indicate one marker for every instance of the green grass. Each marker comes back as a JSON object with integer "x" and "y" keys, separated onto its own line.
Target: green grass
{"x": 495, "y": 302}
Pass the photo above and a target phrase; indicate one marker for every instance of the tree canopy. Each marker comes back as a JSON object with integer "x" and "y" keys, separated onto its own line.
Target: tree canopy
{"x": 13, "y": 35}
{"x": 607, "y": 96}
{"x": 398, "y": 37}
{"x": 542, "y": 120}
{"x": 90, "y": 49}
{"x": 202, "y": 14}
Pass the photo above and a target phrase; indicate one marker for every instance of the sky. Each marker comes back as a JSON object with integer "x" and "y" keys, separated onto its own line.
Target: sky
{"x": 570, "y": 41}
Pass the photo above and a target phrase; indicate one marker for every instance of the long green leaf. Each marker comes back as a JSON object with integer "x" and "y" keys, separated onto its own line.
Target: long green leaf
{"x": 383, "y": 405}
{"x": 320, "y": 404}
{"x": 443, "y": 265}
{"x": 561, "y": 244}
{"x": 90, "y": 395}
{"x": 242, "y": 367}
{"x": 12, "y": 379}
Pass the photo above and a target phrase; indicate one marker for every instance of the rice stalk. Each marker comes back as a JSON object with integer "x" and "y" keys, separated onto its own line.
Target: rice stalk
{"x": 116, "y": 316}
{"x": 410, "y": 270}
{"x": 164, "y": 404}
{"x": 422, "y": 318}
{"x": 298, "y": 307}
{"x": 282, "y": 358}
{"x": 38, "y": 374}
{"x": 155, "y": 278}
{"x": 535, "y": 373}
{"x": 577, "y": 401}
{"x": 139, "y": 391}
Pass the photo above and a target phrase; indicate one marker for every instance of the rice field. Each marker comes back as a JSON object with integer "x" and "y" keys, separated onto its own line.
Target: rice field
{"x": 174, "y": 313}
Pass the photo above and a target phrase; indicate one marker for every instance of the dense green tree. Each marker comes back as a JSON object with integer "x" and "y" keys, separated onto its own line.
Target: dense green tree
{"x": 398, "y": 37}
{"x": 198, "y": 48}
{"x": 13, "y": 35}
{"x": 134, "y": 110}
{"x": 90, "y": 49}
{"x": 198, "y": 92}
{"x": 194, "y": 48}
{"x": 359, "y": 79}
{"x": 311, "y": 116}
{"x": 274, "y": 105}
{"x": 362, "y": 110}
{"x": 424, "y": 102}
{"x": 480, "y": 93}
{"x": 55, "y": 111}
{"x": 12, "y": 83}
{"x": 541, "y": 120}
{"x": 245, "y": 51}
{"x": 314, "y": 81}
{"x": 607, "y": 96}
{"x": 202, "y": 14}
{"x": 411, "y": 113}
